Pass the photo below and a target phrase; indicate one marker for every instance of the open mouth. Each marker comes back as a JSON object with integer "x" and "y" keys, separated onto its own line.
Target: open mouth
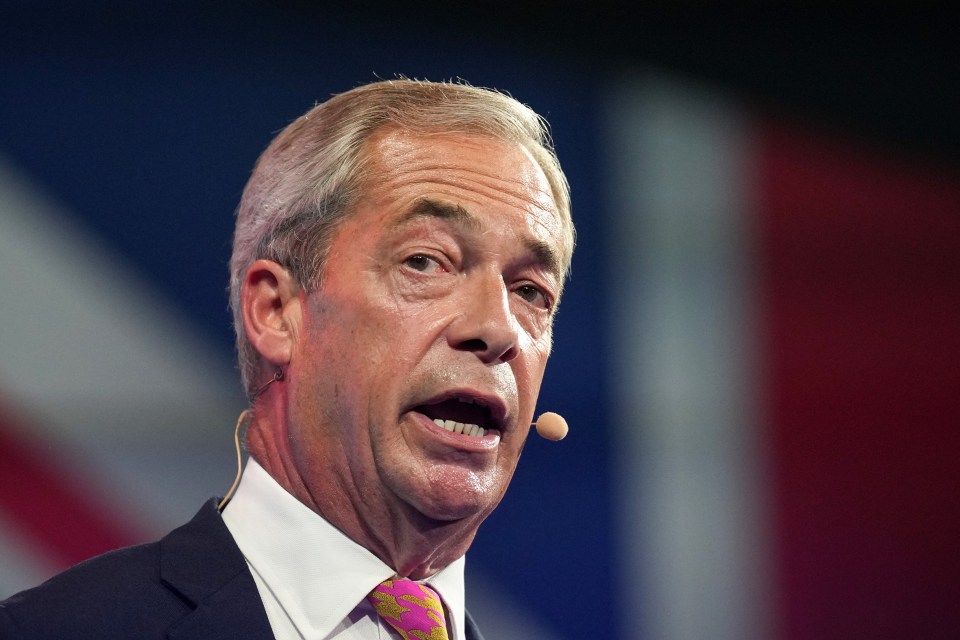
{"x": 461, "y": 414}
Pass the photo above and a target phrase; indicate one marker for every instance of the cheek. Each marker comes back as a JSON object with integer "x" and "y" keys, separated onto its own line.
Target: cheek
{"x": 408, "y": 330}
{"x": 531, "y": 367}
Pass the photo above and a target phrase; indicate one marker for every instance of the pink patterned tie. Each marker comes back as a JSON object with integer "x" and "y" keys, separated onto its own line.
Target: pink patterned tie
{"x": 413, "y": 609}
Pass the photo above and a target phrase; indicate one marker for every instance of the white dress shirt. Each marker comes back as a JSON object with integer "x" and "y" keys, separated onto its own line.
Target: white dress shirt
{"x": 313, "y": 579}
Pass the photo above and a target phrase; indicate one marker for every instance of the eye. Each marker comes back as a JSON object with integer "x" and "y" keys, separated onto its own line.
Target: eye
{"x": 423, "y": 263}
{"x": 534, "y": 295}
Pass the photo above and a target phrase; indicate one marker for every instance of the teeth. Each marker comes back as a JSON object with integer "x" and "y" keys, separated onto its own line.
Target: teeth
{"x": 459, "y": 427}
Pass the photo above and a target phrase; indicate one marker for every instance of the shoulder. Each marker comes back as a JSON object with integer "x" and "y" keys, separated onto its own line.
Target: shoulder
{"x": 127, "y": 593}
{"x": 98, "y": 596}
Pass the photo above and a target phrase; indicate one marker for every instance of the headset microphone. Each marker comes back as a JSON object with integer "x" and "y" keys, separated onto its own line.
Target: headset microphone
{"x": 551, "y": 426}
{"x": 244, "y": 416}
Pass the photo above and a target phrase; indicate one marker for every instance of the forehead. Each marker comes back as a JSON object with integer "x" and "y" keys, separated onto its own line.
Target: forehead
{"x": 497, "y": 182}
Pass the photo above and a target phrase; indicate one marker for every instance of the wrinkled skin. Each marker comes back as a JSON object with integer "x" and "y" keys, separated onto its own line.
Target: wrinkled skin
{"x": 441, "y": 284}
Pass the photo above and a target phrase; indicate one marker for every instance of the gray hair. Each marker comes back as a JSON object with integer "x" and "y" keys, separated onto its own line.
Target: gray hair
{"x": 306, "y": 180}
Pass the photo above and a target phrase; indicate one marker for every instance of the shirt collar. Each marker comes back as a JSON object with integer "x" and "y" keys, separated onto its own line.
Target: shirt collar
{"x": 317, "y": 573}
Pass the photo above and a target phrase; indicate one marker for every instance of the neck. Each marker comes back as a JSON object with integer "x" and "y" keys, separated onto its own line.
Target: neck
{"x": 417, "y": 547}
{"x": 414, "y": 545}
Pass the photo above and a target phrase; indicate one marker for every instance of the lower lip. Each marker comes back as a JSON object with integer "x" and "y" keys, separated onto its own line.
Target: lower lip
{"x": 485, "y": 443}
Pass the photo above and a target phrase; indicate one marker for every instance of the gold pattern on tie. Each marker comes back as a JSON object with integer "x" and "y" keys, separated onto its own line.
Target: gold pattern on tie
{"x": 413, "y": 609}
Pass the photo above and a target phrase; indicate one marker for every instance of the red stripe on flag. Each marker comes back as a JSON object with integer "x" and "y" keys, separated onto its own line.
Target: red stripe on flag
{"x": 861, "y": 296}
{"x": 48, "y": 505}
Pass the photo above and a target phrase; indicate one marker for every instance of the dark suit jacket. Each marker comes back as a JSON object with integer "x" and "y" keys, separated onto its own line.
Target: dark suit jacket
{"x": 192, "y": 584}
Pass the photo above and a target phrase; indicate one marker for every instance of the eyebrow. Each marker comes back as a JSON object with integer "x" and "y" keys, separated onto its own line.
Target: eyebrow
{"x": 427, "y": 208}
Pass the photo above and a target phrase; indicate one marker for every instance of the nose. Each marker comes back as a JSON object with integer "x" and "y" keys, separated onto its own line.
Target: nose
{"x": 486, "y": 326}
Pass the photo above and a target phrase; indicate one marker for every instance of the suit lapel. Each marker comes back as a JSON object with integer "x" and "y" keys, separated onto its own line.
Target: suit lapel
{"x": 202, "y": 564}
{"x": 227, "y": 614}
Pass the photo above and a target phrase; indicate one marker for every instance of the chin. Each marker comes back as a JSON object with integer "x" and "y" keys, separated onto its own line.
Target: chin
{"x": 449, "y": 512}
{"x": 444, "y": 501}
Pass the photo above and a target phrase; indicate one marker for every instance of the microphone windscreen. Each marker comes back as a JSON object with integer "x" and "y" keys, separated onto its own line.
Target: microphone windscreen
{"x": 551, "y": 426}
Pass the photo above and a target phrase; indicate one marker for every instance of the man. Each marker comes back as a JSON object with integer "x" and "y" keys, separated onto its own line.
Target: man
{"x": 399, "y": 255}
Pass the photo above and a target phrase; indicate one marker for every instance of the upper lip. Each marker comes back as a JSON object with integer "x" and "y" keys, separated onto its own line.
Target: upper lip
{"x": 495, "y": 407}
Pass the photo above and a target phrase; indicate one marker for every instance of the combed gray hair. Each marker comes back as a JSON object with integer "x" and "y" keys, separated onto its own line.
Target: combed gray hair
{"x": 304, "y": 183}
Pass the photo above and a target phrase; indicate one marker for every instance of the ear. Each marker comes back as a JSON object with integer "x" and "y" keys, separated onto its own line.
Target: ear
{"x": 270, "y": 302}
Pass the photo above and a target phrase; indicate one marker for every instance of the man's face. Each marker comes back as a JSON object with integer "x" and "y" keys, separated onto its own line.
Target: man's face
{"x": 435, "y": 304}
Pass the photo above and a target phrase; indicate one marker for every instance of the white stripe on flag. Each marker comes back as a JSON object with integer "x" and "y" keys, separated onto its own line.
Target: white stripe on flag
{"x": 84, "y": 331}
{"x": 689, "y": 479}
